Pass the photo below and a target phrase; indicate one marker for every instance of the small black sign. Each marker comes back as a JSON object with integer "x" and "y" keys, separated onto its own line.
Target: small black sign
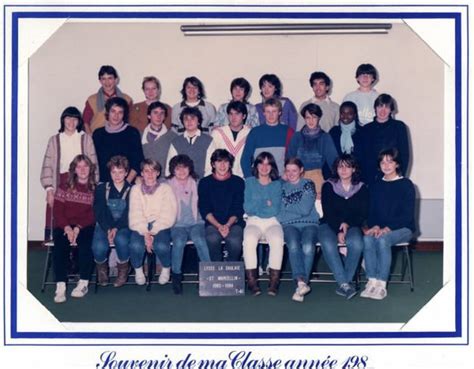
{"x": 221, "y": 278}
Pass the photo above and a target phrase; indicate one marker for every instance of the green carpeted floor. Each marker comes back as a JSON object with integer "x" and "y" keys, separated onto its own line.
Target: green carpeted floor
{"x": 133, "y": 303}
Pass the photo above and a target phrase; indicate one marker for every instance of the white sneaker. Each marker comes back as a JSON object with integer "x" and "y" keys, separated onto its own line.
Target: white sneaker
{"x": 297, "y": 297}
{"x": 81, "y": 288}
{"x": 369, "y": 290}
{"x": 164, "y": 276}
{"x": 139, "y": 276}
{"x": 303, "y": 288}
{"x": 60, "y": 294}
{"x": 380, "y": 293}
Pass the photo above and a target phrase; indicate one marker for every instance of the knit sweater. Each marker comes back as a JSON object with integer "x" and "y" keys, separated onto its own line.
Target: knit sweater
{"x": 224, "y": 139}
{"x": 222, "y": 118}
{"x": 102, "y": 211}
{"x": 392, "y": 204}
{"x": 159, "y": 208}
{"x": 73, "y": 207}
{"x": 365, "y": 104}
{"x": 257, "y": 198}
{"x": 222, "y": 199}
{"x": 208, "y": 112}
{"x": 338, "y": 209}
{"x": 158, "y": 149}
{"x": 298, "y": 204}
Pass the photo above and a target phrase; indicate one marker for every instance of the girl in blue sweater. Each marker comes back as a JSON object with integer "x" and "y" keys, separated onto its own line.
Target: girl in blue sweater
{"x": 391, "y": 221}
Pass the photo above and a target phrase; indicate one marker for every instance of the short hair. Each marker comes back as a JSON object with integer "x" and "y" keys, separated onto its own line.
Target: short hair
{"x": 107, "y": 69}
{"x": 117, "y": 101}
{"x": 72, "y": 176}
{"x": 191, "y": 111}
{"x": 351, "y": 105}
{"x": 271, "y": 160}
{"x": 350, "y": 161}
{"x": 273, "y": 80}
{"x": 182, "y": 160}
{"x": 195, "y": 82}
{"x": 385, "y": 99}
{"x": 319, "y": 75}
{"x": 222, "y": 155}
{"x": 273, "y": 102}
{"x": 394, "y": 154}
{"x": 313, "y": 109}
{"x": 155, "y": 105}
{"x": 367, "y": 69}
{"x": 151, "y": 79}
{"x": 238, "y": 106}
{"x": 73, "y": 112}
{"x": 294, "y": 161}
{"x": 118, "y": 161}
{"x": 152, "y": 163}
{"x": 243, "y": 83}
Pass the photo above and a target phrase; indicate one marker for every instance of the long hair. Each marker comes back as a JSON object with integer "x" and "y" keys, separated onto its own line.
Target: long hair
{"x": 350, "y": 161}
{"x": 72, "y": 178}
{"x": 271, "y": 160}
{"x": 73, "y": 112}
{"x": 182, "y": 160}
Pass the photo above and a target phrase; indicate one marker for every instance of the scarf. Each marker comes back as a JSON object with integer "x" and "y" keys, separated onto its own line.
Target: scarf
{"x": 149, "y": 190}
{"x": 347, "y": 130}
{"x": 150, "y": 135}
{"x": 310, "y": 137}
{"x": 339, "y": 190}
{"x": 110, "y": 129}
{"x": 101, "y": 97}
{"x": 186, "y": 194}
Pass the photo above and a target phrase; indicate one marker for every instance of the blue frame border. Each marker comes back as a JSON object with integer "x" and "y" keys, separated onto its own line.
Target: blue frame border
{"x": 16, "y": 16}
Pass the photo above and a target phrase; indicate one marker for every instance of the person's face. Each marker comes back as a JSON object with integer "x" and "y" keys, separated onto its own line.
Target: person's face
{"x": 70, "y": 124}
{"x": 311, "y": 120}
{"x": 264, "y": 168}
{"x": 181, "y": 172}
{"x": 388, "y": 167}
{"x": 346, "y": 115}
{"x": 268, "y": 90}
{"x": 272, "y": 114}
{"x": 82, "y": 171}
{"x": 151, "y": 91}
{"x": 293, "y": 173}
{"x": 238, "y": 93}
{"x": 118, "y": 175}
{"x": 365, "y": 80}
{"x": 149, "y": 175}
{"x": 382, "y": 113}
{"x": 108, "y": 82}
{"x": 191, "y": 123}
{"x": 192, "y": 92}
{"x": 157, "y": 117}
{"x": 345, "y": 171}
{"x": 115, "y": 115}
{"x": 222, "y": 167}
{"x": 236, "y": 118}
{"x": 320, "y": 89}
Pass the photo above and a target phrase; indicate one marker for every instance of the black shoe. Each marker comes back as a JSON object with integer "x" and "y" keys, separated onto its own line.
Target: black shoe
{"x": 177, "y": 280}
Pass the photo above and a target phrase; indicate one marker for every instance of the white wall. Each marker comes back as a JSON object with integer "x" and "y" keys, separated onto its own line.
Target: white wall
{"x": 63, "y": 72}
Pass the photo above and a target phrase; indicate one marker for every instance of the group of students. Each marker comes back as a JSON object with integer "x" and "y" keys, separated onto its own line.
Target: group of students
{"x": 356, "y": 171}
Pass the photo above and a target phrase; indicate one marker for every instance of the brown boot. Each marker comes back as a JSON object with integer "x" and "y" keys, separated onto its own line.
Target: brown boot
{"x": 102, "y": 274}
{"x": 122, "y": 275}
{"x": 252, "y": 281}
{"x": 274, "y": 282}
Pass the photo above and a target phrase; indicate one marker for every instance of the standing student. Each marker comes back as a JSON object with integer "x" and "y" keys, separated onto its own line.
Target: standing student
{"x": 262, "y": 204}
{"x": 74, "y": 226}
{"x": 347, "y": 134}
{"x": 391, "y": 221}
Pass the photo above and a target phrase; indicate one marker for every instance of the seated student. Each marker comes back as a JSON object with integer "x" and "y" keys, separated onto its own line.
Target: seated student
{"x": 299, "y": 219}
{"x": 272, "y": 137}
{"x": 232, "y": 137}
{"x": 313, "y": 146}
{"x": 193, "y": 96}
{"x": 189, "y": 224}
{"x": 117, "y": 138}
{"x": 321, "y": 84}
{"x": 156, "y": 137}
{"x": 364, "y": 97}
{"x": 153, "y": 210}
{"x": 270, "y": 88}
{"x": 383, "y": 133}
{"x": 74, "y": 226}
{"x": 94, "y": 111}
{"x": 139, "y": 112}
{"x": 262, "y": 204}
{"x": 111, "y": 212}
{"x": 346, "y": 135}
{"x": 220, "y": 203}
{"x": 192, "y": 142}
{"x": 345, "y": 205}
{"x": 391, "y": 221}
{"x": 240, "y": 91}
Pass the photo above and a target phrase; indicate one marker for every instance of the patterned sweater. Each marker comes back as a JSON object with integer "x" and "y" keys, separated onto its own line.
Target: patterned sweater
{"x": 73, "y": 207}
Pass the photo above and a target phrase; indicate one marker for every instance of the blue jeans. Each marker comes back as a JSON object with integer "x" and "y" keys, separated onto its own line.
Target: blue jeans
{"x": 180, "y": 235}
{"x": 301, "y": 244}
{"x": 161, "y": 246}
{"x": 378, "y": 252}
{"x": 100, "y": 244}
{"x": 343, "y": 273}
{"x": 233, "y": 243}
